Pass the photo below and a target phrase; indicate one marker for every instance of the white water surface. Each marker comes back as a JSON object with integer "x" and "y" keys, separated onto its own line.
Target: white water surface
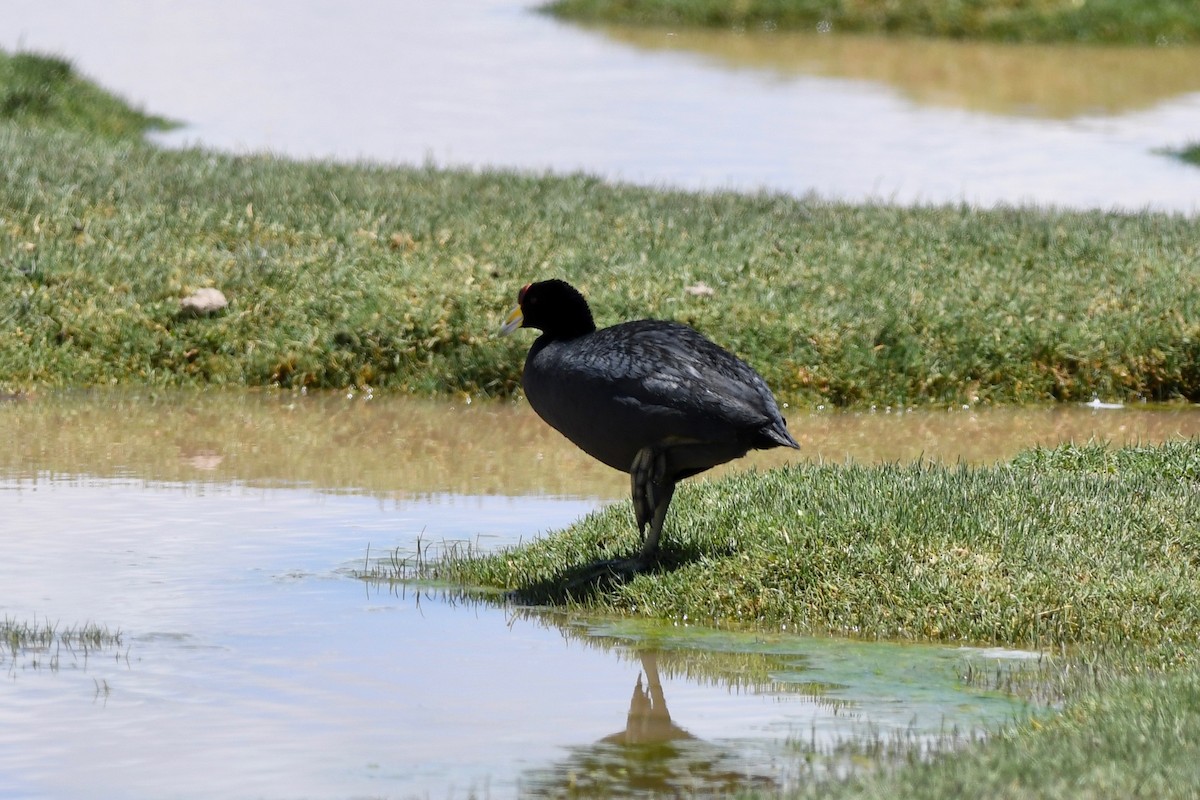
{"x": 491, "y": 83}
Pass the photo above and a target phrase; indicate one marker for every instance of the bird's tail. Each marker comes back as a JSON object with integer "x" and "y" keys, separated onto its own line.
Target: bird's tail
{"x": 776, "y": 435}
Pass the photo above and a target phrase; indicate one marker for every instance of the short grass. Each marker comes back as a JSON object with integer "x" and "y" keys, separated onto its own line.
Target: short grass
{"x": 1077, "y": 547}
{"x": 1158, "y": 22}
{"x": 17, "y": 634}
{"x": 397, "y": 278}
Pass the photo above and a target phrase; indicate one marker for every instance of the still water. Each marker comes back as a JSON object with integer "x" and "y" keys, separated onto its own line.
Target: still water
{"x": 492, "y": 83}
{"x": 220, "y": 535}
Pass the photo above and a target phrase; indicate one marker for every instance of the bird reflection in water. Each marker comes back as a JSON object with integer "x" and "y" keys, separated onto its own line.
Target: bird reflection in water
{"x": 651, "y": 756}
{"x": 649, "y": 720}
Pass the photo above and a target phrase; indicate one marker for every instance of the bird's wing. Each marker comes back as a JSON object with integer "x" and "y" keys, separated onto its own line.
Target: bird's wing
{"x": 674, "y": 368}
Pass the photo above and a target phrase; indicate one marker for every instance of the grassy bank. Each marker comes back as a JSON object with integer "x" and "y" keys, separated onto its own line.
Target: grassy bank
{"x": 1075, "y": 547}
{"x": 1087, "y": 552}
{"x": 1096, "y": 21}
{"x": 343, "y": 275}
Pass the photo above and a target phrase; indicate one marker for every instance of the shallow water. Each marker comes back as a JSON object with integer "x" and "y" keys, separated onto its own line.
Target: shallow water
{"x": 490, "y": 83}
{"x": 252, "y": 663}
{"x": 220, "y": 534}
{"x": 398, "y": 447}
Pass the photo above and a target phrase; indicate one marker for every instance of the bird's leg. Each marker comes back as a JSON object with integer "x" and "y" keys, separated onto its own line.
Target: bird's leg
{"x": 639, "y": 476}
{"x": 652, "y": 489}
{"x": 648, "y": 467}
{"x": 663, "y": 501}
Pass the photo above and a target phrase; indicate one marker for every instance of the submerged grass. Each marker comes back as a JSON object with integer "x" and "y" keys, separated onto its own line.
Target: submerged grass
{"x": 45, "y": 645}
{"x": 1158, "y": 22}
{"x": 1139, "y": 737}
{"x": 1190, "y": 153}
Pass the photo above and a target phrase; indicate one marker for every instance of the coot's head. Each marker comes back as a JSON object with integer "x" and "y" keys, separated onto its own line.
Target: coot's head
{"x": 554, "y": 307}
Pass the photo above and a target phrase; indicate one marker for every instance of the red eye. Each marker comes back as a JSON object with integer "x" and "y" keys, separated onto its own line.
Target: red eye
{"x": 521, "y": 294}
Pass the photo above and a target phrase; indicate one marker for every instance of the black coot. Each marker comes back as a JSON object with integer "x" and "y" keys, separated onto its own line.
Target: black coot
{"x": 652, "y": 398}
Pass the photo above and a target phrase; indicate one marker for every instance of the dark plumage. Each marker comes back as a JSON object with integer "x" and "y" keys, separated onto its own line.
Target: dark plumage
{"x": 652, "y": 398}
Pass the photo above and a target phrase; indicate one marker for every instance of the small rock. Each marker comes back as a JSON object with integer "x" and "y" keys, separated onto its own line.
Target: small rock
{"x": 203, "y": 302}
{"x": 700, "y": 289}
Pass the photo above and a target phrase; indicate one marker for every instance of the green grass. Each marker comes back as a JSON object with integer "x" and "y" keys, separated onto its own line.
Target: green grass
{"x": 344, "y": 275}
{"x": 1078, "y": 547}
{"x": 46, "y": 92}
{"x": 1138, "y": 737}
{"x": 1094, "y": 21}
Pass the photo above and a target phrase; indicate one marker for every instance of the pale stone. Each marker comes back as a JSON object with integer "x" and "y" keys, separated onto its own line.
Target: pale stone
{"x": 203, "y": 302}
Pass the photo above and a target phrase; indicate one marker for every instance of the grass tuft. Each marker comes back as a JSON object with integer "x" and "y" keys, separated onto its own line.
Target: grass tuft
{"x": 46, "y": 92}
{"x": 42, "y": 645}
{"x": 21, "y": 634}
